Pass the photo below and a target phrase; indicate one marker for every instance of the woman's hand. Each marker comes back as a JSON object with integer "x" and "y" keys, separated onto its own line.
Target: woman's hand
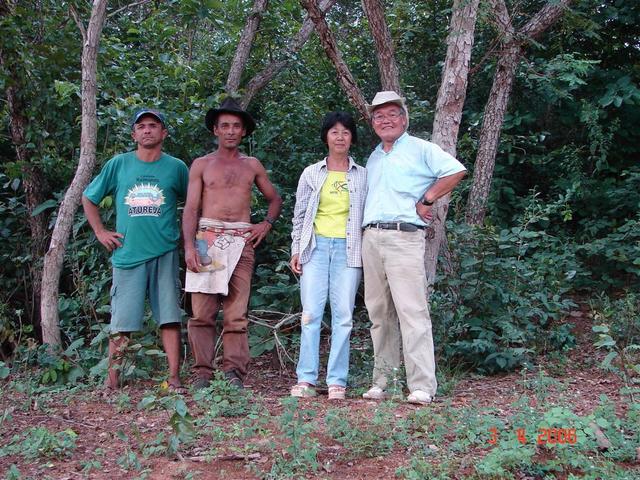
{"x": 295, "y": 264}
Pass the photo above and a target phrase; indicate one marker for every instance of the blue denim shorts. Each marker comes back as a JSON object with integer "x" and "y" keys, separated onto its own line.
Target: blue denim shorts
{"x": 157, "y": 278}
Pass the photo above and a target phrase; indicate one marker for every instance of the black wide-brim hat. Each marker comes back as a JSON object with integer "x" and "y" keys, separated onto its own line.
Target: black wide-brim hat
{"x": 230, "y": 106}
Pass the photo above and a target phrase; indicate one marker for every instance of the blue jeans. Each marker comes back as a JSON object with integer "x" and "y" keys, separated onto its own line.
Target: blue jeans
{"x": 327, "y": 274}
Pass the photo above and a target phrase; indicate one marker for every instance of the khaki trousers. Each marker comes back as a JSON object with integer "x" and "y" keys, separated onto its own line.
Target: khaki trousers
{"x": 395, "y": 288}
{"x": 202, "y": 326}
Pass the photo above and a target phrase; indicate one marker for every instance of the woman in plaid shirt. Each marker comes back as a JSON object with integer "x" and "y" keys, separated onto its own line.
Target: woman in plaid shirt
{"x": 325, "y": 251}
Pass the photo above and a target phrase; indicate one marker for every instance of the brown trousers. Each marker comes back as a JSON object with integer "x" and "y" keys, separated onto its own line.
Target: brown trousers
{"x": 235, "y": 340}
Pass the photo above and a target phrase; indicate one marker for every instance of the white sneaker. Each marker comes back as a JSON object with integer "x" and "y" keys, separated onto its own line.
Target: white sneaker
{"x": 419, "y": 398}
{"x": 375, "y": 393}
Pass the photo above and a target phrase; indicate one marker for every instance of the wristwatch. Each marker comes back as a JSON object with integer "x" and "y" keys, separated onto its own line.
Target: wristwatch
{"x": 269, "y": 220}
{"x": 426, "y": 202}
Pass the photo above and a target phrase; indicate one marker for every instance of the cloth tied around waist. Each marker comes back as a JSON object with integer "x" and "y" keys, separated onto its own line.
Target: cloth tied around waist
{"x": 219, "y": 246}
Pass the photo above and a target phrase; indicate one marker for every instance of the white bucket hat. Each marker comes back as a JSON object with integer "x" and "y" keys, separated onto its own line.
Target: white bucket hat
{"x": 388, "y": 96}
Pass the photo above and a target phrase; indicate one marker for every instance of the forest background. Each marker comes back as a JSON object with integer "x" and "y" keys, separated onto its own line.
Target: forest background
{"x": 557, "y": 231}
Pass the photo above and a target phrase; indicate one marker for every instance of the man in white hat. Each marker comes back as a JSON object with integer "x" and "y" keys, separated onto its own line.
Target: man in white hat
{"x": 405, "y": 176}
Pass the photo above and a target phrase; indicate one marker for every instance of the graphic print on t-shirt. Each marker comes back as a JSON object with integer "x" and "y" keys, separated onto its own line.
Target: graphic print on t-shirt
{"x": 339, "y": 186}
{"x": 144, "y": 200}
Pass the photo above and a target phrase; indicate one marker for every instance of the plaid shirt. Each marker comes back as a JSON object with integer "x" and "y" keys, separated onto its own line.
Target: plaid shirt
{"x": 307, "y": 200}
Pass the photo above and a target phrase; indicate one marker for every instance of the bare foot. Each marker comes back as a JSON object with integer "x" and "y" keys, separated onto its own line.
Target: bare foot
{"x": 175, "y": 386}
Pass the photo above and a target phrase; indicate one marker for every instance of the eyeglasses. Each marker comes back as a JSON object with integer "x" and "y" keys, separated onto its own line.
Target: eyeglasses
{"x": 381, "y": 117}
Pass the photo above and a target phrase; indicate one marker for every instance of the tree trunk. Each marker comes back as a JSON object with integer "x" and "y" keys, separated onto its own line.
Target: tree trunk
{"x": 258, "y": 82}
{"x": 446, "y": 124}
{"x": 389, "y": 76}
{"x": 496, "y": 107}
{"x": 244, "y": 46}
{"x": 55, "y": 255}
{"x": 328, "y": 41}
{"x": 492, "y": 122}
{"x": 33, "y": 183}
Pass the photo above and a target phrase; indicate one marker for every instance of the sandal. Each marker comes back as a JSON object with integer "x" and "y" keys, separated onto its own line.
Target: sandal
{"x": 303, "y": 390}
{"x": 177, "y": 389}
{"x": 337, "y": 392}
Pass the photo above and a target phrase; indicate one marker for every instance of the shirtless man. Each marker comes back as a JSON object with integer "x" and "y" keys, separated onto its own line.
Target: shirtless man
{"x": 220, "y": 241}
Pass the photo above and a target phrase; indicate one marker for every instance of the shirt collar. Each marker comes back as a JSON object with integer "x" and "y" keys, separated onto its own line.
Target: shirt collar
{"x": 399, "y": 140}
{"x": 352, "y": 163}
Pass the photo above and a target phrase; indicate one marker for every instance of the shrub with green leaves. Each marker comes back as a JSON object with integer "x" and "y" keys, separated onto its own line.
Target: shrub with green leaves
{"x": 221, "y": 398}
{"x": 618, "y": 328}
{"x": 36, "y": 442}
{"x": 297, "y": 453}
{"x": 368, "y": 437}
{"x": 503, "y": 302}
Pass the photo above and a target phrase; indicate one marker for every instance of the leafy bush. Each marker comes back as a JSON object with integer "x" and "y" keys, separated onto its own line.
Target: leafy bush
{"x": 503, "y": 301}
{"x": 618, "y": 329}
{"x": 37, "y": 442}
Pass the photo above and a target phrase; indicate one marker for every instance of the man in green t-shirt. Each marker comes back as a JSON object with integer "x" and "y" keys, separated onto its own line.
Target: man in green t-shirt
{"x": 146, "y": 185}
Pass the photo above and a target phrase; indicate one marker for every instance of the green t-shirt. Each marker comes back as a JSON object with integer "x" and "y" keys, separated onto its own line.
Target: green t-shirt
{"x": 145, "y": 196}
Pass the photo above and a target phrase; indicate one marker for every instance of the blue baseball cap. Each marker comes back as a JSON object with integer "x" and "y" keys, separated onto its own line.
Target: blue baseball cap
{"x": 148, "y": 111}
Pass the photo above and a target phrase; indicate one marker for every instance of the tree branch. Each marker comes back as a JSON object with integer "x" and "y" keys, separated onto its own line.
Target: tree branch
{"x": 389, "y": 75}
{"x": 79, "y": 23}
{"x": 126, "y": 7}
{"x": 294, "y": 45}
{"x": 244, "y": 45}
{"x": 328, "y": 41}
{"x": 546, "y": 17}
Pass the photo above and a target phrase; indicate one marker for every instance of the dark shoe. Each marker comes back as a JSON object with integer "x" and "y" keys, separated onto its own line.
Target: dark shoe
{"x": 200, "y": 382}
{"x": 232, "y": 377}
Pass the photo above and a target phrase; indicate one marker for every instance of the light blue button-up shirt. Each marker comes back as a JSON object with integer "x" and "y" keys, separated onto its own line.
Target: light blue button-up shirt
{"x": 398, "y": 179}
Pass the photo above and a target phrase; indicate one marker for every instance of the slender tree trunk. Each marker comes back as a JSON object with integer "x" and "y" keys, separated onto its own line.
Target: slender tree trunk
{"x": 258, "y": 82}
{"x": 55, "y": 255}
{"x": 496, "y": 107}
{"x": 449, "y": 105}
{"x": 389, "y": 75}
{"x": 494, "y": 112}
{"x": 328, "y": 41}
{"x": 244, "y": 45}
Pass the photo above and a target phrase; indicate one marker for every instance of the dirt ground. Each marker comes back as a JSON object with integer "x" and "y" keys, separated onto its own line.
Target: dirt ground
{"x": 97, "y": 420}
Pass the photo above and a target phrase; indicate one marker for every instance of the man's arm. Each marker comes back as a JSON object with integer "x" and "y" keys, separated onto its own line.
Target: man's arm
{"x": 440, "y": 188}
{"x": 190, "y": 214}
{"x": 260, "y": 230}
{"x": 106, "y": 237}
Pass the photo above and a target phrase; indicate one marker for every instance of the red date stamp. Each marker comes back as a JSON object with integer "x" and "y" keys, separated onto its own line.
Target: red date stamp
{"x": 560, "y": 436}
{"x": 545, "y": 436}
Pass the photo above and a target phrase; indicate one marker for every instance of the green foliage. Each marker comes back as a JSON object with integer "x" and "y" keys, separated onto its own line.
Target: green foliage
{"x": 4, "y": 371}
{"x": 180, "y": 419}
{"x": 502, "y": 303}
{"x": 618, "y": 329}
{"x": 299, "y": 453}
{"x": 545, "y": 441}
{"x": 221, "y": 398}
{"x": 37, "y": 442}
{"x": 369, "y": 437}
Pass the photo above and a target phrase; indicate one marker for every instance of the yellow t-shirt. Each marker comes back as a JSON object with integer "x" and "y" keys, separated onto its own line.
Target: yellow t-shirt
{"x": 333, "y": 209}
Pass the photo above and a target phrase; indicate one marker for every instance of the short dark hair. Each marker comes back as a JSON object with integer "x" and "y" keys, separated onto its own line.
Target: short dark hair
{"x": 333, "y": 118}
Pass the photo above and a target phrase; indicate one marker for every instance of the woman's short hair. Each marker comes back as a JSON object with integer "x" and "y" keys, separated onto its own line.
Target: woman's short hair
{"x": 333, "y": 118}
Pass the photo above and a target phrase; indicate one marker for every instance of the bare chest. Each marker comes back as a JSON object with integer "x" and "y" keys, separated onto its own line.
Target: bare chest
{"x": 226, "y": 177}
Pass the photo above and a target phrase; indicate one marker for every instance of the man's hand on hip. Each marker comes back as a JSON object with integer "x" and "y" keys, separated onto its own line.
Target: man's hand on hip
{"x": 257, "y": 232}
{"x": 109, "y": 239}
{"x": 425, "y": 212}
